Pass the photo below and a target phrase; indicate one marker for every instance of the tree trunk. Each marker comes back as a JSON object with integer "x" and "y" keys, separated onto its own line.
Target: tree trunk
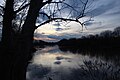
{"x": 7, "y": 25}
{"x": 14, "y": 64}
{"x": 16, "y": 49}
{"x": 5, "y": 50}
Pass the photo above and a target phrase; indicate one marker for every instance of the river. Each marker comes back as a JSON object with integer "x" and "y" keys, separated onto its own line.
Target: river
{"x": 52, "y": 63}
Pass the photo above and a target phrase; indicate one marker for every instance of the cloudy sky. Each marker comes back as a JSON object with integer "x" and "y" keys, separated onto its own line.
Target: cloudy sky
{"x": 105, "y": 16}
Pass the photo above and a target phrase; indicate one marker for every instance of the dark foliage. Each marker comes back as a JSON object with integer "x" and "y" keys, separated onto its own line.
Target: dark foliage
{"x": 106, "y": 39}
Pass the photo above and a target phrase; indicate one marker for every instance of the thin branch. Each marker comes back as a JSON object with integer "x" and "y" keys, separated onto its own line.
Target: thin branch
{"x": 1, "y": 14}
{"x": 70, "y": 6}
{"x": 82, "y": 2}
{"x": 82, "y": 14}
{"x": 1, "y": 22}
{"x": 1, "y": 10}
{"x": 22, "y": 4}
{"x": 2, "y": 7}
{"x": 62, "y": 19}
{"x": 19, "y": 27}
{"x": 47, "y": 2}
{"x": 69, "y": 14}
{"x": 85, "y": 6}
{"x": 59, "y": 10}
{"x": 21, "y": 8}
{"x": 65, "y": 4}
{"x": 54, "y": 10}
{"x": 57, "y": 2}
{"x": 45, "y": 14}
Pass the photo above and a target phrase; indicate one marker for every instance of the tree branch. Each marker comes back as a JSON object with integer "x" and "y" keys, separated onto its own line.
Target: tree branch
{"x": 45, "y": 14}
{"x": 62, "y": 19}
{"x": 1, "y": 14}
{"x": 82, "y": 14}
{"x": 48, "y": 2}
{"x": 22, "y": 8}
{"x": 23, "y": 3}
{"x": 2, "y": 7}
{"x": 65, "y": 4}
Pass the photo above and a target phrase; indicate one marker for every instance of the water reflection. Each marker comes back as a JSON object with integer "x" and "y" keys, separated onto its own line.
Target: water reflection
{"x": 51, "y": 62}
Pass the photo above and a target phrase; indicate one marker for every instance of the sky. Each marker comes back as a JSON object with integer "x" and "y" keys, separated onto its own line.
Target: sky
{"x": 105, "y": 16}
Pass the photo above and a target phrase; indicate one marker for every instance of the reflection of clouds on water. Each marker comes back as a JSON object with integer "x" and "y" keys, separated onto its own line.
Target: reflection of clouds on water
{"x": 52, "y": 63}
{"x": 48, "y": 59}
{"x": 50, "y": 56}
{"x": 61, "y": 58}
{"x": 57, "y": 62}
{"x": 97, "y": 70}
{"x": 36, "y": 72}
{"x": 54, "y": 49}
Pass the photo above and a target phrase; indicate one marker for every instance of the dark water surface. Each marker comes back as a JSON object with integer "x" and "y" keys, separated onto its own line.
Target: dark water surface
{"x": 50, "y": 63}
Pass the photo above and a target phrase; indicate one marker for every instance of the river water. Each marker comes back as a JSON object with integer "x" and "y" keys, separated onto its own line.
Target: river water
{"x": 51, "y": 63}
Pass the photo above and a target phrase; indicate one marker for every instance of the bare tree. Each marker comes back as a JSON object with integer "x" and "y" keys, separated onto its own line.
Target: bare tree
{"x": 19, "y": 24}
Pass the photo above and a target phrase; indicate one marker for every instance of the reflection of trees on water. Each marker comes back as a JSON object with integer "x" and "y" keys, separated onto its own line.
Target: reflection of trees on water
{"x": 90, "y": 70}
{"x": 96, "y": 70}
{"x": 112, "y": 55}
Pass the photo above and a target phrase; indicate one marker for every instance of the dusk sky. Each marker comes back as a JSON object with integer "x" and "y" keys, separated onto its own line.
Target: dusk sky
{"x": 105, "y": 16}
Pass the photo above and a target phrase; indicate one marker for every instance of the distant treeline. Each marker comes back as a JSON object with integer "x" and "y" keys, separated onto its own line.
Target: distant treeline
{"x": 106, "y": 39}
{"x": 42, "y": 44}
{"x": 106, "y": 44}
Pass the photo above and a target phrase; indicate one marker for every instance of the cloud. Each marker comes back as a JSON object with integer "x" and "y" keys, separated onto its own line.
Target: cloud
{"x": 54, "y": 37}
{"x": 67, "y": 35}
{"x": 102, "y": 9}
{"x": 105, "y": 16}
{"x": 38, "y": 36}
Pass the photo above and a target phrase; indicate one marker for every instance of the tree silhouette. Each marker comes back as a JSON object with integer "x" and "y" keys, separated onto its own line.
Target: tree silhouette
{"x": 106, "y": 34}
{"x": 19, "y": 24}
{"x": 116, "y": 32}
